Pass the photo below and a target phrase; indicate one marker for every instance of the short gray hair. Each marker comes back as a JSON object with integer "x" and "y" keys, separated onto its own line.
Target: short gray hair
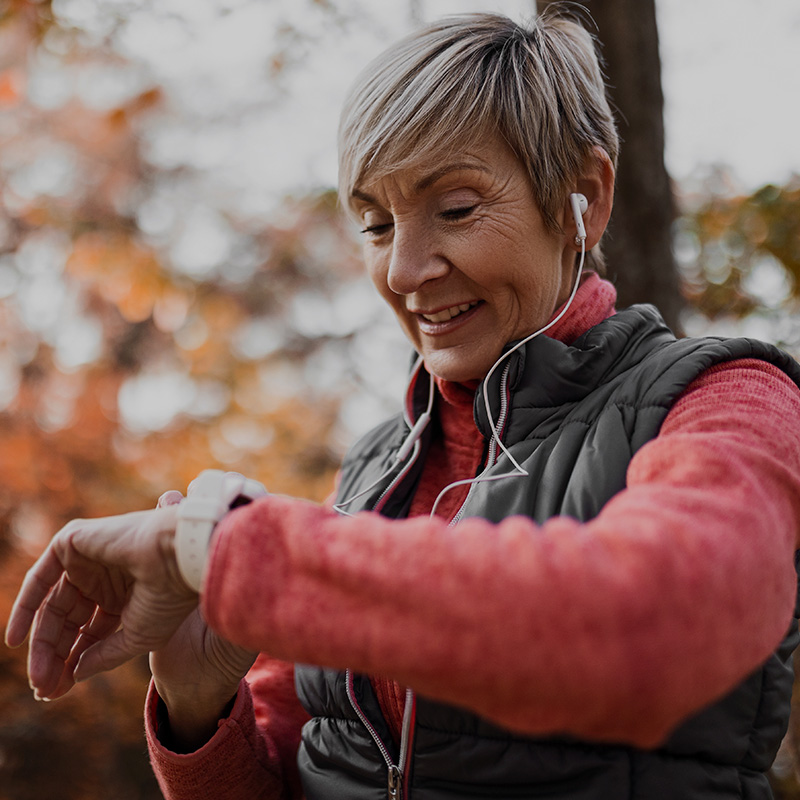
{"x": 443, "y": 87}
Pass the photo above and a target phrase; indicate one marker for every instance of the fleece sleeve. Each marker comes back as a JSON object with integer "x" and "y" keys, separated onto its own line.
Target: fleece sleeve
{"x": 253, "y": 754}
{"x": 616, "y": 629}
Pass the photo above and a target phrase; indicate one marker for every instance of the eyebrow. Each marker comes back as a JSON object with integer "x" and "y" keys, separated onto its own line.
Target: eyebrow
{"x": 427, "y": 180}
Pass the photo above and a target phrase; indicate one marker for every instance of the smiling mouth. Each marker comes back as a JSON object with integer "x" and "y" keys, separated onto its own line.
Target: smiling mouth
{"x": 449, "y": 313}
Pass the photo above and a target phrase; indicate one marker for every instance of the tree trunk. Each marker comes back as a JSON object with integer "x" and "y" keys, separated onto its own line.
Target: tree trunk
{"x": 638, "y": 245}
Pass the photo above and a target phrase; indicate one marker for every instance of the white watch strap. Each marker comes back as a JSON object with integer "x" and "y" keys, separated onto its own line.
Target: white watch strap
{"x": 197, "y": 515}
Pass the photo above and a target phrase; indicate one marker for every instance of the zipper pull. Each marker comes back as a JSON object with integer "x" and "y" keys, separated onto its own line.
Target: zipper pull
{"x": 395, "y": 782}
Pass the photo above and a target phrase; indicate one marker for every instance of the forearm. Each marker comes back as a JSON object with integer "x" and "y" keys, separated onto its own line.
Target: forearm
{"x": 580, "y": 621}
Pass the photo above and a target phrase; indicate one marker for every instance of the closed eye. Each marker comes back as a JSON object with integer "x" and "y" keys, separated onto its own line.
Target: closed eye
{"x": 377, "y": 230}
{"x": 462, "y": 212}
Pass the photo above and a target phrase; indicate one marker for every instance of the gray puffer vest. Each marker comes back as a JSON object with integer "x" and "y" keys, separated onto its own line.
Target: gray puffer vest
{"x": 573, "y": 416}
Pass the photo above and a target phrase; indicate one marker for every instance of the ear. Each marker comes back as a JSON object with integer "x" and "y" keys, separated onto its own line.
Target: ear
{"x": 596, "y": 183}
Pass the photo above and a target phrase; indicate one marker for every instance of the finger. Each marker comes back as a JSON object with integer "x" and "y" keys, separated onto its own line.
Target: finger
{"x": 147, "y": 624}
{"x": 38, "y": 582}
{"x": 55, "y": 630}
{"x": 99, "y": 627}
{"x": 106, "y": 654}
{"x": 169, "y": 498}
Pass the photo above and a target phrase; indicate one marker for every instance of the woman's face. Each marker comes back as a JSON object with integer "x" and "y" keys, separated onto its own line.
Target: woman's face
{"x": 460, "y": 252}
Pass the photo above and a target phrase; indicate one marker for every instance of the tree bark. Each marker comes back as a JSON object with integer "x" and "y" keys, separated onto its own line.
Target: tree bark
{"x": 638, "y": 245}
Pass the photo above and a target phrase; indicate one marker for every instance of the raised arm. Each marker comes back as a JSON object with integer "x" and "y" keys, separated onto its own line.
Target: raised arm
{"x": 614, "y": 629}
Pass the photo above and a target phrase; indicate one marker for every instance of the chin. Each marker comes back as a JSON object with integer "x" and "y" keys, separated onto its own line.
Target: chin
{"x": 456, "y": 370}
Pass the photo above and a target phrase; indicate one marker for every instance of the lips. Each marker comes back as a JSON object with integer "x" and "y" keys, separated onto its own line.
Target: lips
{"x": 446, "y": 314}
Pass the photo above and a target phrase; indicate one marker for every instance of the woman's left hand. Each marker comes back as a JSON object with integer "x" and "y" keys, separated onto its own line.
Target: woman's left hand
{"x": 104, "y": 591}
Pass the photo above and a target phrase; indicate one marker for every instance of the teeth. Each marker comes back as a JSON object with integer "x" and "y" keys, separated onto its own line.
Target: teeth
{"x": 448, "y": 313}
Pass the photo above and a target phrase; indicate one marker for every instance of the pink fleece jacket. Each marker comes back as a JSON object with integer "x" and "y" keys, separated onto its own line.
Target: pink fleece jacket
{"x": 615, "y": 629}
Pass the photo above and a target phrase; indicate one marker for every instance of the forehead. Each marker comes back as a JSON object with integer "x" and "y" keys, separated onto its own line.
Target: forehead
{"x": 488, "y": 155}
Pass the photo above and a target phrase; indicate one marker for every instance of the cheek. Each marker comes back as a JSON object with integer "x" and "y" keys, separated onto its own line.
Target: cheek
{"x": 534, "y": 291}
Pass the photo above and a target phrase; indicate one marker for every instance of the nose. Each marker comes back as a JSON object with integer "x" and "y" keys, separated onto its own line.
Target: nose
{"x": 414, "y": 260}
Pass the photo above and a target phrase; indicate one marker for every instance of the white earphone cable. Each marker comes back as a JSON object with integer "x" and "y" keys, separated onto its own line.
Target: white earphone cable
{"x": 518, "y": 471}
{"x": 411, "y": 446}
{"x": 516, "y": 347}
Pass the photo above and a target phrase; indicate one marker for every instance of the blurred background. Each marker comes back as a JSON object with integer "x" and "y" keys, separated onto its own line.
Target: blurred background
{"x": 179, "y": 291}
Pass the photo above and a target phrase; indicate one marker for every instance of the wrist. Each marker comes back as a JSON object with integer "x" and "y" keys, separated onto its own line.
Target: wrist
{"x": 186, "y": 723}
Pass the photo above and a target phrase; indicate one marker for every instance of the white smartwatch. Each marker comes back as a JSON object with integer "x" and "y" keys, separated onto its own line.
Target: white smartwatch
{"x": 211, "y": 495}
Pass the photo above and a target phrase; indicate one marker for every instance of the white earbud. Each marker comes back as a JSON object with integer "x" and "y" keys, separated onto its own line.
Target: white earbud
{"x": 579, "y": 205}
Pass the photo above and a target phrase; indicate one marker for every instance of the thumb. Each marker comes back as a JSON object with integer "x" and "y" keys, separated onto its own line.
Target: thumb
{"x": 105, "y": 655}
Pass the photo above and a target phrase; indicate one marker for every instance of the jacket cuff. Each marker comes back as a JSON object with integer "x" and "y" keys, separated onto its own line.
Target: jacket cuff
{"x": 228, "y": 758}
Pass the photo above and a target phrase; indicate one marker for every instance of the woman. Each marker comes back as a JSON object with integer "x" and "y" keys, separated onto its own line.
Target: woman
{"x": 612, "y": 614}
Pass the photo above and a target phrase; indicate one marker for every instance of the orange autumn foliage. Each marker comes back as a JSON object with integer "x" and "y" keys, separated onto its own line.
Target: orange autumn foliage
{"x": 81, "y": 270}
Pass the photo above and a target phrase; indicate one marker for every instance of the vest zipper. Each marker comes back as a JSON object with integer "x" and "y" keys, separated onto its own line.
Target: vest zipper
{"x": 396, "y": 789}
{"x": 395, "y": 783}
{"x": 396, "y": 772}
{"x": 492, "y": 456}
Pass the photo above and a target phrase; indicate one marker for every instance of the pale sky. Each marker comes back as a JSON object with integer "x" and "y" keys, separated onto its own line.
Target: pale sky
{"x": 732, "y": 86}
{"x": 730, "y": 83}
